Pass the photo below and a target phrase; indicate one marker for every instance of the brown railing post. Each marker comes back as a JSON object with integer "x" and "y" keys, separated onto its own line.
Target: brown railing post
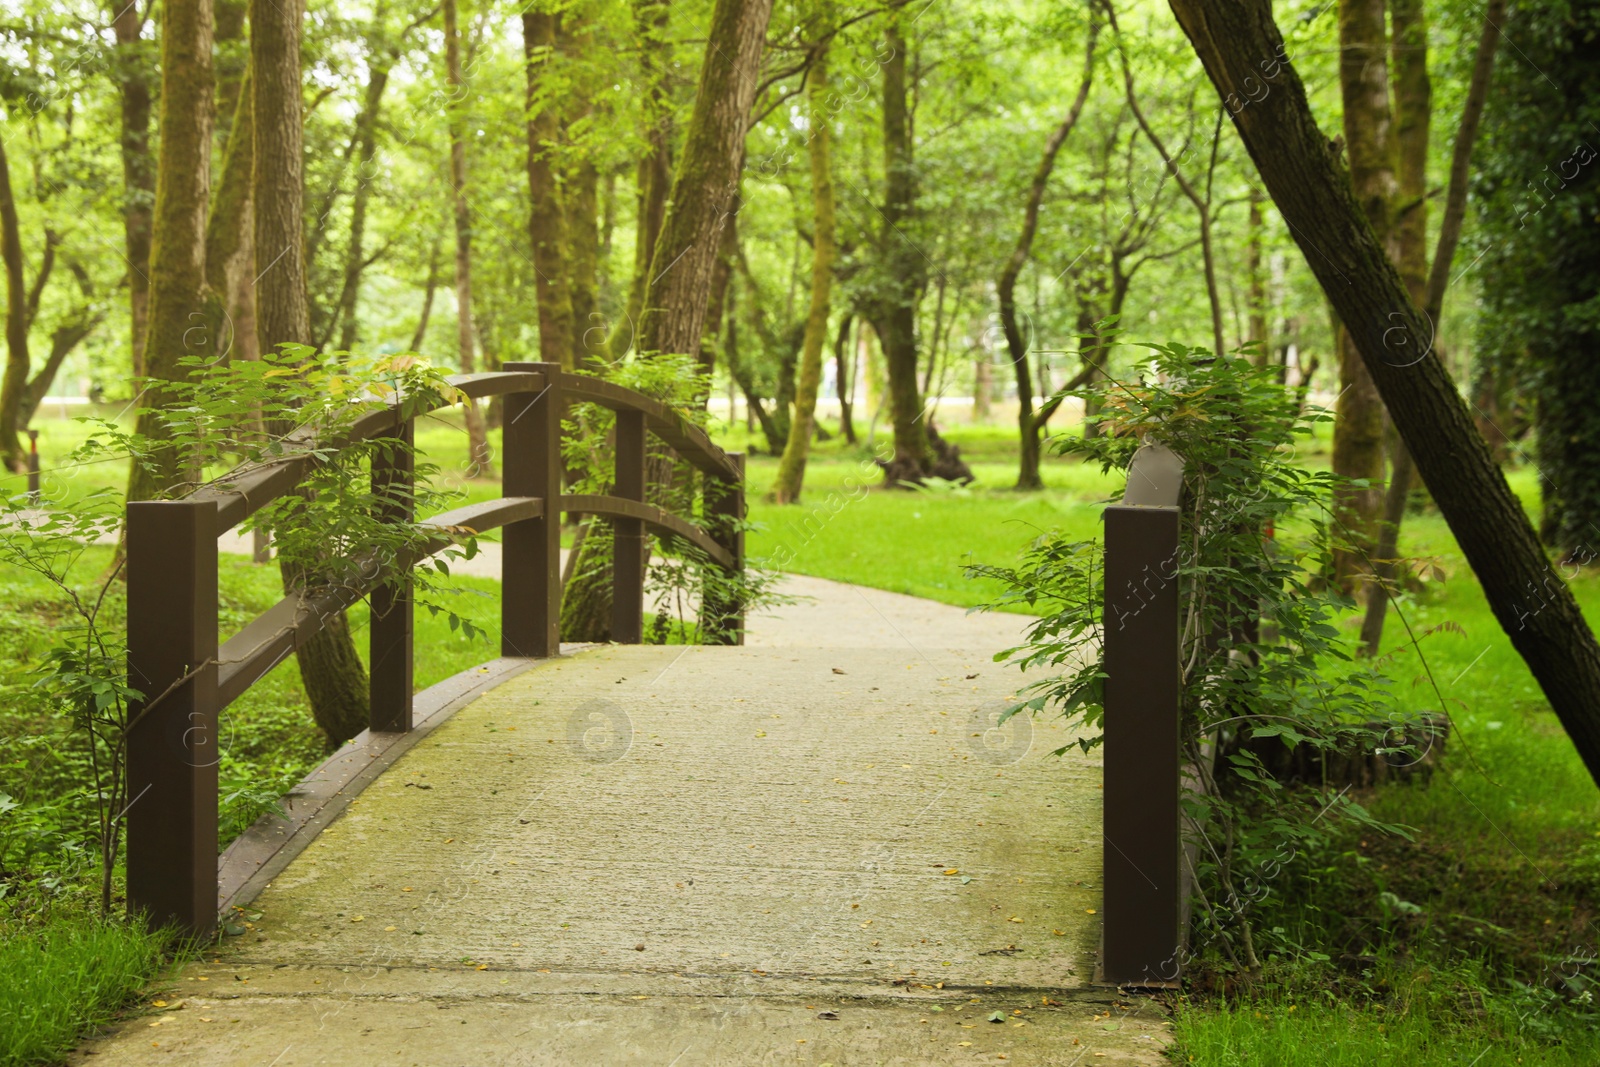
{"x": 628, "y": 553}
{"x": 390, "y": 681}
{"x": 1142, "y": 883}
{"x": 724, "y": 616}
{"x": 171, "y": 805}
{"x": 530, "y": 458}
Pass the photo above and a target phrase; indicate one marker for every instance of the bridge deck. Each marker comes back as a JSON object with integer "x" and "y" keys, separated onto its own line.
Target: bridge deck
{"x": 691, "y": 856}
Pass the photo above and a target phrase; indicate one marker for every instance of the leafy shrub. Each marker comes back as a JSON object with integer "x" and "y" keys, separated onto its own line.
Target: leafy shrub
{"x": 1265, "y": 672}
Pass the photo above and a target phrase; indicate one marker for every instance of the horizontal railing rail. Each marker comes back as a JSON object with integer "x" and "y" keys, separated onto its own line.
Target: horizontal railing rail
{"x": 176, "y": 658}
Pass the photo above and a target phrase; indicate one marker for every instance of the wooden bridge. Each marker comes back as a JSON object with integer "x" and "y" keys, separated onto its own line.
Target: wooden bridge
{"x": 817, "y": 848}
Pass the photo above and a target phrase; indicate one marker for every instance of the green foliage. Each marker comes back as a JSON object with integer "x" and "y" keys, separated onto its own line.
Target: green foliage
{"x": 1263, "y": 666}
{"x": 66, "y": 974}
{"x": 1539, "y": 193}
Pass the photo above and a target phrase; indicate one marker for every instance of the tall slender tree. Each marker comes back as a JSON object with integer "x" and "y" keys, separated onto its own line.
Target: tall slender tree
{"x": 792, "y": 467}
{"x": 331, "y": 670}
{"x": 133, "y": 70}
{"x": 1369, "y": 142}
{"x": 466, "y": 340}
{"x": 547, "y": 215}
{"x": 1031, "y": 423}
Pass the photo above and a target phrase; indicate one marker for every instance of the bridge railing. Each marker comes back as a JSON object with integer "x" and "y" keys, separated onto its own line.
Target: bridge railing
{"x": 188, "y": 674}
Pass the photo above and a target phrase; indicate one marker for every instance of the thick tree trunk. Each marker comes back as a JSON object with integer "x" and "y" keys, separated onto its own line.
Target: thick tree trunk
{"x": 1240, "y": 45}
{"x": 546, "y": 219}
{"x": 1028, "y": 425}
{"x": 479, "y": 463}
{"x": 15, "y": 380}
{"x": 1370, "y": 143}
{"x": 792, "y": 467}
{"x": 894, "y": 316}
{"x": 330, "y": 669}
{"x": 178, "y": 289}
{"x": 706, "y": 181}
{"x": 134, "y": 70}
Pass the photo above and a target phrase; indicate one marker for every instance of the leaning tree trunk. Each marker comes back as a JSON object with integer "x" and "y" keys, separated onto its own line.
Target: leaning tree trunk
{"x": 792, "y": 467}
{"x": 1358, "y": 413}
{"x": 706, "y": 181}
{"x": 1533, "y": 605}
{"x": 479, "y": 463}
{"x": 133, "y": 74}
{"x": 1028, "y": 425}
{"x": 177, "y": 249}
{"x": 334, "y": 678}
{"x": 679, "y": 285}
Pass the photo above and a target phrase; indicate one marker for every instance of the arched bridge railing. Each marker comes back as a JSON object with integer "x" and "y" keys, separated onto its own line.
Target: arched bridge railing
{"x": 188, "y": 675}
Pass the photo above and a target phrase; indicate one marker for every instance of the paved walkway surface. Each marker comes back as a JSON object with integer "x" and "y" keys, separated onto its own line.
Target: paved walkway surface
{"x": 816, "y": 849}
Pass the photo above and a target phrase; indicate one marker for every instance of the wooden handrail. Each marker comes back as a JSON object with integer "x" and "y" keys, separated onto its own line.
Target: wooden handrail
{"x": 616, "y": 507}
{"x": 251, "y": 487}
{"x": 681, "y": 435}
{"x": 247, "y": 656}
{"x": 174, "y": 657}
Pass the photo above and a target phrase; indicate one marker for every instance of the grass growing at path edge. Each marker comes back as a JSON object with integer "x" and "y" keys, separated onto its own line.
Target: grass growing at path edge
{"x": 65, "y": 976}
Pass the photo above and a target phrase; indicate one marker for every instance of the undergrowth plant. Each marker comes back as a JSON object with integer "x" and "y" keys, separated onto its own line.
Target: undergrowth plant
{"x": 1264, "y": 669}
{"x": 693, "y": 598}
{"x": 336, "y": 531}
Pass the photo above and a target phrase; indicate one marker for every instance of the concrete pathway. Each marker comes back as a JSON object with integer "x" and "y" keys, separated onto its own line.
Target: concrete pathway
{"x": 816, "y": 849}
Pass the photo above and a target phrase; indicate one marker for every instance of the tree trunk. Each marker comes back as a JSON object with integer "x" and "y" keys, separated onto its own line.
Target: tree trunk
{"x": 479, "y": 464}
{"x": 1531, "y": 602}
{"x": 15, "y": 381}
{"x": 843, "y": 379}
{"x": 228, "y": 227}
{"x": 654, "y": 175}
{"x": 421, "y": 333}
{"x": 330, "y": 669}
{"x": 1258, "y": 282}
{"x": 134, "y": 71}
{"x": 1427, "y": 287}
{"x": 178, "y": 287}
{"x": 716, "y": 303}
{"x": 355, "y": 262}
{"x": 583, "y": 251}
{"x": 546, "y": 219}
{"x": 1028, "y": 425}
{"x": 1370, "y": 144}
{"x": 741, "y": 374}
{"x": 63, "y": 340}
{"x": 706, "y": 181}
{"x": 792, "y": 467}
{"x": 905, "y": 273}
